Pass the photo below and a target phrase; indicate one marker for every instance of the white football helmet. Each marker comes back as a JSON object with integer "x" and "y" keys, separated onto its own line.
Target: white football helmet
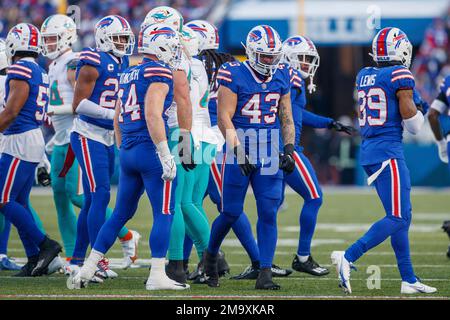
{"x": 3, "y": 58}
{"x": 264, "y": 49}
{"x": 301, "y": 54}
{"x": 392, "y": 44}
{"x": 161, "y": 40}
{"x": 166, "y": 15}
{"x": 22, "y": 37}
{"x": 208, "y": 34}
{"x": 58, "y": 32}
{"x": 189, "y": 40}
{"x": 108, "y": 33}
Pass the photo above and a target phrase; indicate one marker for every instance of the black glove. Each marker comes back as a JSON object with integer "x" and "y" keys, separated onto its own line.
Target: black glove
{"x": 287, "y": 163}
{"x": 43, "y": 177}
{"x": 184, "y": 151}
{"x": 446, "y": 227}
{"x": 336, "y": 125}
{"x": 243, "y": 161}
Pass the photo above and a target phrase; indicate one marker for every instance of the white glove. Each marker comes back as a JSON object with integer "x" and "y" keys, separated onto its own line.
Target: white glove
{"x": 442, "y": 148}
{"x": 167, "y": 161}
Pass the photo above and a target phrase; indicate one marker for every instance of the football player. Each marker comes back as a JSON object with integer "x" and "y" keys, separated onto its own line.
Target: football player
{"x": 23, "y": 143}
{"x": 253, "y": 99}
{"x": 92, "y": 136}
{"x": 180, "y": 124}
{"x": 146, "y": 92}
{"x": 391, "y": 84}
{"x": 59, "y": 34}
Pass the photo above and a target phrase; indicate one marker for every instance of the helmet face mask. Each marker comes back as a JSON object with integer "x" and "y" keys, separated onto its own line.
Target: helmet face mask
{"x": 113, "y": 34}
{"x": 263, "y": 49}
{"x": 58, "y": 35}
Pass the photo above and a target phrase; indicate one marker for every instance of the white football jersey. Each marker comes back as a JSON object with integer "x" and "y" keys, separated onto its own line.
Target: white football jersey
{"x": 171, "y": 112}
{"x": 2, "y": 91}
{"x": 61, "y": 94}
{"x": 201, "y": 123}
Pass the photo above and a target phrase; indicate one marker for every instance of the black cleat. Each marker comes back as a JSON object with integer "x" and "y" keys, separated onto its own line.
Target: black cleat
{"x": 25, "y": 271}
{"x": 264, "y": 281}
{"x": 310, "y": 266}
{"x": 448, "y": 252}
{"x": 222, "y": 265}
{"x": 446, "y": 227}
{"x": 49, "y": 249}
{"x": 211, "y": 273}
{"x": 280, "y": 272}
{"x": 250, "y": 273}
{"x": 197, "y": 273}
{"x": 175, "y": 271}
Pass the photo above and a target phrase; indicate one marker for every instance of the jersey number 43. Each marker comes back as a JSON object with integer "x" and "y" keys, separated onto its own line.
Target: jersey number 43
{"x": 252, "y": 109}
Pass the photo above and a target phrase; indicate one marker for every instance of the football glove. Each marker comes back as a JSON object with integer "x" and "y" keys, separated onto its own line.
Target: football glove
{"x": 184, "y": 151}
{"x": 167, "y": 161}
{"x": 243, "y": 161}
{"x": 336, "y": 125}
{"x": 43, "y": 177}
{"x": 287, "y": 163}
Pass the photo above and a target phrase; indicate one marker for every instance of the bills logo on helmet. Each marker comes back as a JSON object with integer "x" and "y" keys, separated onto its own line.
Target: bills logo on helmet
{"x": 162, "y": 15}
{"x": 198, "y": 29}
{"x": 105, "y": 22}
{"x": 294, "y": 41}
{"x": 255, "y": 36}
{"x": 168, "y": 32}
{"x": 398, "y": 39}
{"x": 16, "y": 32}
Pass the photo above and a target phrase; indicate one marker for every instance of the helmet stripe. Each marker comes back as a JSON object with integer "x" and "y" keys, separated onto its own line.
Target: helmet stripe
{"x": 381, "y": 42}
{"x": 33, "y": 35}
{"x": 270, "y": 36}
{"x": 122, "y": 21}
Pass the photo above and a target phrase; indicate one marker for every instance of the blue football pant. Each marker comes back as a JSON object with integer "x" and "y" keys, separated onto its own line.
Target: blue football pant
{"x": 16, "y": 180}
{"x": 267, "y": 191}
{"x": 241, "y": 227}
{"x": 135, "y": 175}
{"x": 303, "y": 180}
{"x": 393, "y": 187}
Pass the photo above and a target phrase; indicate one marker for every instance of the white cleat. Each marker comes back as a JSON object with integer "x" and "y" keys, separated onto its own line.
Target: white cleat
{"x": 55, "y": 266}
{"x": 74, "y": 281}
{"x": 71, "y": 268}
{"x": 103, "y": 270}
{"x": 164, "y": 284}
{"x": 130, "y": 249}
{"x": 343, "y": 268}
{"x": 417, "y": 287}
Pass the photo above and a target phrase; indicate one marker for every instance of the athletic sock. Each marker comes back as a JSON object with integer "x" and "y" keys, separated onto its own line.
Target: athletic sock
{"x": 302, "y": 259}
{"x": 127, "y": 237}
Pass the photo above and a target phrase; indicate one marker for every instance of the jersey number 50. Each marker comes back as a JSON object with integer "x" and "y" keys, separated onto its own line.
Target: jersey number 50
{"x": 374, "y": 100}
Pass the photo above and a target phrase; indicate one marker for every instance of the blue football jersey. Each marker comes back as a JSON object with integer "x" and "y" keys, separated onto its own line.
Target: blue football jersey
{"x": 106, "y": 87}
{"x": 134, "y": 83}
{"x": 257, "y": 100}
{"x": 379, "y": 115}
{"x": 32, "y": 113}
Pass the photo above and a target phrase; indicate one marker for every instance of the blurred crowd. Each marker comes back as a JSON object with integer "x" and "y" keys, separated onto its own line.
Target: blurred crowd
{"x": 35, "y": 11}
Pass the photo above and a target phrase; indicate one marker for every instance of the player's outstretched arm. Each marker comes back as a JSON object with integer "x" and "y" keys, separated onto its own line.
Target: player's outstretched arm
{"x": 117, "y": 132}
{"x": 85, "y": 85}
{"x": 18, "y": 95}
{"x": 286, "y": 120}
{"x": 183, "y": 100}
{"x": 433, "y": 117}
{"x": 154, "y": 107}
{"x": 412, "y": 118}
{"x": 226, "y": 107}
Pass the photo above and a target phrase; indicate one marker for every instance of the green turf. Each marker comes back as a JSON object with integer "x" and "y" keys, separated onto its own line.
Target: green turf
{"x": 428, "y": 253}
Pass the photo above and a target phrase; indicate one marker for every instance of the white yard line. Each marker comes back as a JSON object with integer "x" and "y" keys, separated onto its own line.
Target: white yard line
{"x": 130, "y": 296}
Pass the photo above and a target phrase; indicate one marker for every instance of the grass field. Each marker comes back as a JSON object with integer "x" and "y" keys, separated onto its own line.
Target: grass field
{"x": 343, "y": 218}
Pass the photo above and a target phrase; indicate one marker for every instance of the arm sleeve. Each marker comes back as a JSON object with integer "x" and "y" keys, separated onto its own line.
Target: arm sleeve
{"x": 90, "y": 58}
{"x": 225, "y": 78}
{"x": 401, "y": 78}
{"x": 313, "y": 120}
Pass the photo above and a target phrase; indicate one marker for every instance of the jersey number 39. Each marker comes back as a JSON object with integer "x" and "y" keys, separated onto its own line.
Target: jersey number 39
{"x": 374, "y": 100}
